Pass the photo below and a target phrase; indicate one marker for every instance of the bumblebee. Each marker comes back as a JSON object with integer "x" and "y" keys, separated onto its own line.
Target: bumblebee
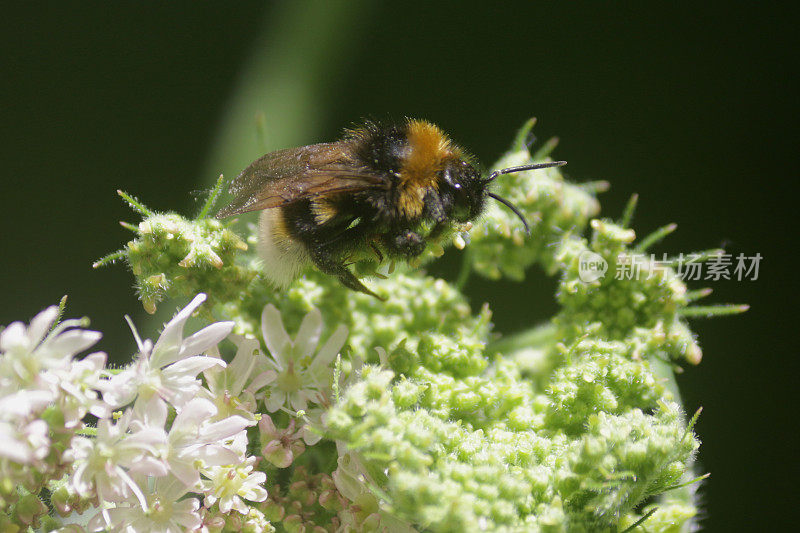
{"x": 388, "y": 188}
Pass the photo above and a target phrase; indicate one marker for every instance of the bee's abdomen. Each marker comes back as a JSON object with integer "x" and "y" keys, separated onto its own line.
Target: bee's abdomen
{"x": 282, "y": 255}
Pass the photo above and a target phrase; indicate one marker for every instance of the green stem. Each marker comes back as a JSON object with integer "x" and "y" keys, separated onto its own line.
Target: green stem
{"x": 465, "y": 271}
{"x": 541, "y": 336}
{"x": 286, "y": 87}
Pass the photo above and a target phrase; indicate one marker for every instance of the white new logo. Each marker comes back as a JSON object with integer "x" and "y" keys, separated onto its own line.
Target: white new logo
{"x": 591, "y": 266}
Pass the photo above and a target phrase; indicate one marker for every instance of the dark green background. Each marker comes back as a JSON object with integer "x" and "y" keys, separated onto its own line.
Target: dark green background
{"x": 693, "y": 107}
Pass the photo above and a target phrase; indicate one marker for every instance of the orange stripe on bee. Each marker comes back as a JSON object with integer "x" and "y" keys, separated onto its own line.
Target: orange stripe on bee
{"x": 428, "y": 147}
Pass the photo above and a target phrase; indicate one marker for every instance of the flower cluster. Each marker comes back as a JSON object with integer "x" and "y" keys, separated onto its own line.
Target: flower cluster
{"x": 172, "y": 446}
{"x": 554, "y": 207}
{"x": 571, "y": 426}
{"x": 172, "y": 256}
{"x": 454, "y": 475}
{"x": 401, "y": 415}
{"x": 44, "y": 395}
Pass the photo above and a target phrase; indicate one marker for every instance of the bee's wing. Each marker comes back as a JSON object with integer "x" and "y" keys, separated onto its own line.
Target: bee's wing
{"x": 286, "y": 176}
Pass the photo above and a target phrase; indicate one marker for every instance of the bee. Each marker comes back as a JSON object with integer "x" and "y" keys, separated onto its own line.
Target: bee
{"x": 388, "y": 188}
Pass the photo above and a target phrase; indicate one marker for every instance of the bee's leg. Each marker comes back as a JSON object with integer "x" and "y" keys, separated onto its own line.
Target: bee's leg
{"x": 405, "y": 243}
{"x": 329, "y": 264}
{"x": 434, "y": 207}
{"x": 378, "y": 254}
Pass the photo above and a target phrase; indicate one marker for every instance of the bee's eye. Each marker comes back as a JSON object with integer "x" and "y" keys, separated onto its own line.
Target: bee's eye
{"x": 462, "y": 203}
{"x": 451, "y": 177}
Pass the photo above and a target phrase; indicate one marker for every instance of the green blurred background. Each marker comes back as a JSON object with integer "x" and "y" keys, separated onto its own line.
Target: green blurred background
{"x": 694, "y": 107}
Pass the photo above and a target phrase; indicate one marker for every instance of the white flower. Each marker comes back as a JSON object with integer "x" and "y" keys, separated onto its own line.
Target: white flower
{"x": 24, "y": 439}
{"x": 28, "y": 351}
{"x": 25, "y": 444}
{"x": 166, "y": 511}
{"x": 80, "y": 384}
{"x": 102, "y": 463}
{"x": 169, "y": 369}
{"x": 24, "y": 403}
{"x": 232, "y": 485}
{"x": 234, "y": 388}
{"x": 301, "y": 376}
{"x": 37, "y": 371}
{"x": 195, "y": 440}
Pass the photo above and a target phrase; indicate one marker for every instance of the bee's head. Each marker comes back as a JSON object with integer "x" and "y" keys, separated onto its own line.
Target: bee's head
{"x": 463, "y": 186}
{"x": 468, "y": 190}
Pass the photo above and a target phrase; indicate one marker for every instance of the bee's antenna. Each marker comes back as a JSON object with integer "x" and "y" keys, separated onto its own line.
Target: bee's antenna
{"x": 513, "y": 208}
{"x": 511, "y": 170}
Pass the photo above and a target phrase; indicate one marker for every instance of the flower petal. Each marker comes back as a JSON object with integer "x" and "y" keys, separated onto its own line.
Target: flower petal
{"x": 262, "y": 380}
{"x": 275, "y": 336}
{"x": 205, "y": 338}
{"x": 121, "y": 388}
{"x": 185, "y": 471}
{"x": 310, "y": 436}
{"x": 71, "y": 342}
{"x": 14, "y": 336}
{"x": 217, "y": 456}
{"x": 275, "y": 401}
{"x": 11, "y": 447}
{"x": 22, "y": 403}
{"x": 152, "y": 412}
{"x": 217, "y": 431}
{"x": 277, "y": 454}
{"x": 243, "y": 363}
{"x": 226, "y": 504}
{"x": 298, "y": 401}
{"x": 191, "y": 366}
{"x": 308, "y": 335}
{"x": 150, "y": 466}
{"x": 41, "y": 323}
{"x": 194, "y": 413}
{"x": 267, "y": 428}
{"x": 168, "y": 344}
{"x": 331, "y": 347}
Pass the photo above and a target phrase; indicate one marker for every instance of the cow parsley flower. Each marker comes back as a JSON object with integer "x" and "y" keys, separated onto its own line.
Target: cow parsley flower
{"x": 44, "y": 394}
{"x": 166, "y": 510}
{"x": 38, "y": 369}
{"x": 195, "y": 439}
{"x": 27, "y": 352}
{"x": 232, "y": 485}
{"x": 103, "y": 462}
{"x": 169, "y": 368}
{"x": 302, "y": 375}
{"x": 25, "y": 442}
{"x": 235, "y": 388}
